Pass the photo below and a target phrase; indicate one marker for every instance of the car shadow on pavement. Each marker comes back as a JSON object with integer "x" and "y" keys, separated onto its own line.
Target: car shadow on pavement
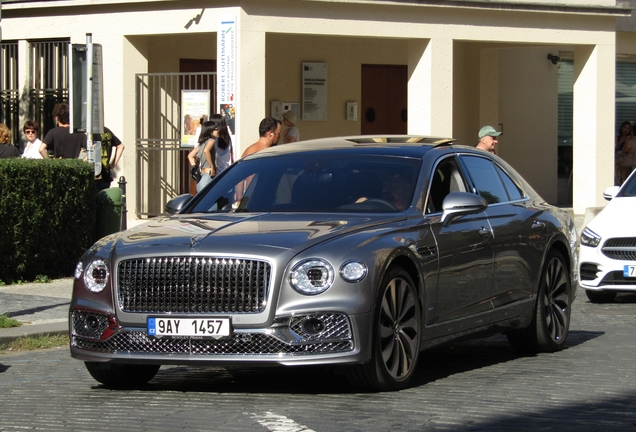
{"x": 442, "y": 362}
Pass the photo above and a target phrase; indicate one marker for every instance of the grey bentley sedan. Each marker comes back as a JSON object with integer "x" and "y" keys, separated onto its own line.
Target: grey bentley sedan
{"x": 355, "y": 252}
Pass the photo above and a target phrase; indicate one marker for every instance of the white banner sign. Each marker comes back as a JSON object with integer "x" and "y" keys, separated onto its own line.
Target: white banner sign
{"x": 226, "y": 73}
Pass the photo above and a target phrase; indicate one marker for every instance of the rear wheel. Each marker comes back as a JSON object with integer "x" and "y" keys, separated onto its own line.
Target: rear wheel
{"x": 551, "y": 322}
{"x": 396, "y": 335}
{"x": 121, "y": 375}
{"x": 600, "y": 296}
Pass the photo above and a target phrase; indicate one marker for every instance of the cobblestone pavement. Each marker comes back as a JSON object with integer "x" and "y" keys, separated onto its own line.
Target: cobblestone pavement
{"x": 473, "y": 386}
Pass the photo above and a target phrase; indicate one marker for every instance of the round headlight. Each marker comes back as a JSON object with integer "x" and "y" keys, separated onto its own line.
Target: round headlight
{"x": 96, "y": 276}
{"x": 312, "y": 276}
{"x": 78, "y": 270}
{"x": 353, "y": 271}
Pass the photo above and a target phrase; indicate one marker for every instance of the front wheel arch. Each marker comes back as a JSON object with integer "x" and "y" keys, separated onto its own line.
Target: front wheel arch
{"x": 395, "y": 335}
{"x": 550, "y": 323}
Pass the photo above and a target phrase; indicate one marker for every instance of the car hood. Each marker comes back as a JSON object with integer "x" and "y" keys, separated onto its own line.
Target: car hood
{"x": 254, "y": 234}
{"x": 610, "y": 222}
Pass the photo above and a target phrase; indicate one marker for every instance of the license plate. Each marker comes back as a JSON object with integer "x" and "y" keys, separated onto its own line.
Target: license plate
{"x": 216, "y": 328}
{"x": 629, "y": 271}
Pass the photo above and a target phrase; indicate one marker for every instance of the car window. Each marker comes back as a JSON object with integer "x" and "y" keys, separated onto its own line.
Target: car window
{"x": 446, "y": 178}
{"x": 313, "y": 183}
{"x": 514, "y": 193}
{"x": 487, "y": 181}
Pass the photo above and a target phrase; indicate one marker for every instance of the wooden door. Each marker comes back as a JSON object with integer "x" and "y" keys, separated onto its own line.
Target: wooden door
{"x": 384, "y": 99}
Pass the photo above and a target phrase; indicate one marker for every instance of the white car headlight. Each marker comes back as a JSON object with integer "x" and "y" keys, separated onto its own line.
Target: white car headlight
{"x": 353, "y": 271}
{"x": 96, "y": 276}
{"x": 312, "y": 276}
{"x": 590, "y": 238}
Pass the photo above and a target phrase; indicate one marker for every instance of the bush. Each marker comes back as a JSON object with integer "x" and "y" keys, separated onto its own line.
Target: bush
{"x": 47, "y": 216}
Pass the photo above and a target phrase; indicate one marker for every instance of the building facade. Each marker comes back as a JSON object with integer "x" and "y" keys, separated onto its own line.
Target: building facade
{"x": 442, "y": 68}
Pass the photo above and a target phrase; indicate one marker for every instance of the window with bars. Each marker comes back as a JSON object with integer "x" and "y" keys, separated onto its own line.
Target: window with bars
{"x": 48, "y": 80}
{"x": 9, "y": 88}
{"x": 47, "y": 83}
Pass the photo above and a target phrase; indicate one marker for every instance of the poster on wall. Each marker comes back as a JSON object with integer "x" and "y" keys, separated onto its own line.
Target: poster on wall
{"x": 226, "y": 74}
{"x": 314, "y": 91}
{"x": 195, "y": 106}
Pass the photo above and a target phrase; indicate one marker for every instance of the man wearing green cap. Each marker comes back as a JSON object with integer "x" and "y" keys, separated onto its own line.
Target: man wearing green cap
{"x": 488, "y": 138}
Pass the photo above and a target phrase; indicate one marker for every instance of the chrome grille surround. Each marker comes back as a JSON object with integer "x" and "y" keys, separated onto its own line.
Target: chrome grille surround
{"x": 79, "y": 326}
{"x": 187, "y": 284}
{"x": 620, "y": 248}
{"x": 286, "y": 339}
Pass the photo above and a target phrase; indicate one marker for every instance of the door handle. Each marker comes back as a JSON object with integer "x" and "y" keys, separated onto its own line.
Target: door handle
{"x": 538, "y": 225}
{"x": 485, "y": 232}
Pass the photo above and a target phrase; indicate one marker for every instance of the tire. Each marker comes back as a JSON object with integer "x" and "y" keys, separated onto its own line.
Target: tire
{"x": 600, "y": 296}
{"x": 121, "y": 375}
{"x": 397, "y": 322}
{"x": 551, "y": 322}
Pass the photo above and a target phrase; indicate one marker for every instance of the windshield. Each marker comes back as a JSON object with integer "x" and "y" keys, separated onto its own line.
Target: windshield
{"x": 313, "y": 183}
{"x": 629, "y": 190}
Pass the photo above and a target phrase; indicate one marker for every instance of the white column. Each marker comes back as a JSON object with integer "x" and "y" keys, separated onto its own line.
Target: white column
{"x": 593, "y": 124}
{"x": 251, "y": 104}
{"x": 24, "y": 73}
{"x": 430, "y": 88}
{"x": 134, "y": 53}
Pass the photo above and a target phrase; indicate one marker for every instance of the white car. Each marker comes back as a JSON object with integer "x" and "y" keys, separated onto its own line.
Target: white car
{"x": 608, "y": 246}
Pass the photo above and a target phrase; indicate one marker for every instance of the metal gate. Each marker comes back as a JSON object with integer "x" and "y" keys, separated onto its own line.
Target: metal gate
{"x": 163, "y": 171}
{"x": 47, "y": 84}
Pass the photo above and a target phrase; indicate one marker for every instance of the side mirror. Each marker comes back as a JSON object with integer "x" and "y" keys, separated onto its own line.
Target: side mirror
{"x": 610, "y": 192}
{"x": 175, "y": 205}
{"x": 458, "y": 204}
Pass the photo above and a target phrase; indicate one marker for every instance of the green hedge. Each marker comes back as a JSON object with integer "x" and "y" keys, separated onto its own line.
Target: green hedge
{"x": 47, "y": 216}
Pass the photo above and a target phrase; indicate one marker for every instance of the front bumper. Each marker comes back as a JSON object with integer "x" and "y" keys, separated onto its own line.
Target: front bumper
{"x": 97, "y": 337}
{"x": 601, "y": 268}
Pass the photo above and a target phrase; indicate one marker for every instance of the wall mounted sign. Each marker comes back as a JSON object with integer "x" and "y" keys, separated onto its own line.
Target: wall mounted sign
{"x": 314, "y": 91}
{"x": 194, "y": 105}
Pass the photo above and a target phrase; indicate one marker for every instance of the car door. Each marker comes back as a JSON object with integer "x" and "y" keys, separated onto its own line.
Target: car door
{"x": 514, "y": 223}
{"x": 465, "y": 258}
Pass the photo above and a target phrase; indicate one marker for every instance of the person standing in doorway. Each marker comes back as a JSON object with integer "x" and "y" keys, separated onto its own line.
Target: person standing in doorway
{"x": 488, "y": 139}
{"x": 291, "y": 134}
{"x": 201, "y": 156}
{"x": 60, "y": 140}
{"x": 269, "y": 131}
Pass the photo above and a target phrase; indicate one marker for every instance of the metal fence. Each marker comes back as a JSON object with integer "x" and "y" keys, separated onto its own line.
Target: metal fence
{"x": 47, "y": 84}
{"x": 9, "y": 89}
{"x": 163, "y": 170}
{"x": 49, "y": 80}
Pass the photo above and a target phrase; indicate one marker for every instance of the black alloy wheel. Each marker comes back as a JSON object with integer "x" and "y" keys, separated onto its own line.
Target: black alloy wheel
{"x": 551, "y": 322}
{"x": 396, "y": 335}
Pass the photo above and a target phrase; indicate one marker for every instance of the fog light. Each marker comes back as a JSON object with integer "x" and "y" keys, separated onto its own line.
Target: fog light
{"x": 92, "y": 323}
{"x": 313, "y": 326}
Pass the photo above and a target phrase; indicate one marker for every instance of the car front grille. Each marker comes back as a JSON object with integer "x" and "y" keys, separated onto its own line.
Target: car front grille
{"x": 620, "y": 248}
{"x": 617, "y": 278}
{"x": 193, "y": 285}
{"x": 335, "y": 338}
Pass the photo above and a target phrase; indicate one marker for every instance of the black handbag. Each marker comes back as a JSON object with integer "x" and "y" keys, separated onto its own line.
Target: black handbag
{"x": 195, "y": 173}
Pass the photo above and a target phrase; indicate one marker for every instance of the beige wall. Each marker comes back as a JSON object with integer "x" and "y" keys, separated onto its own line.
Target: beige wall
{"x": 529, "y": 142}
{"x": 344, "y": 58}
{"x": 277, "y": 36}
